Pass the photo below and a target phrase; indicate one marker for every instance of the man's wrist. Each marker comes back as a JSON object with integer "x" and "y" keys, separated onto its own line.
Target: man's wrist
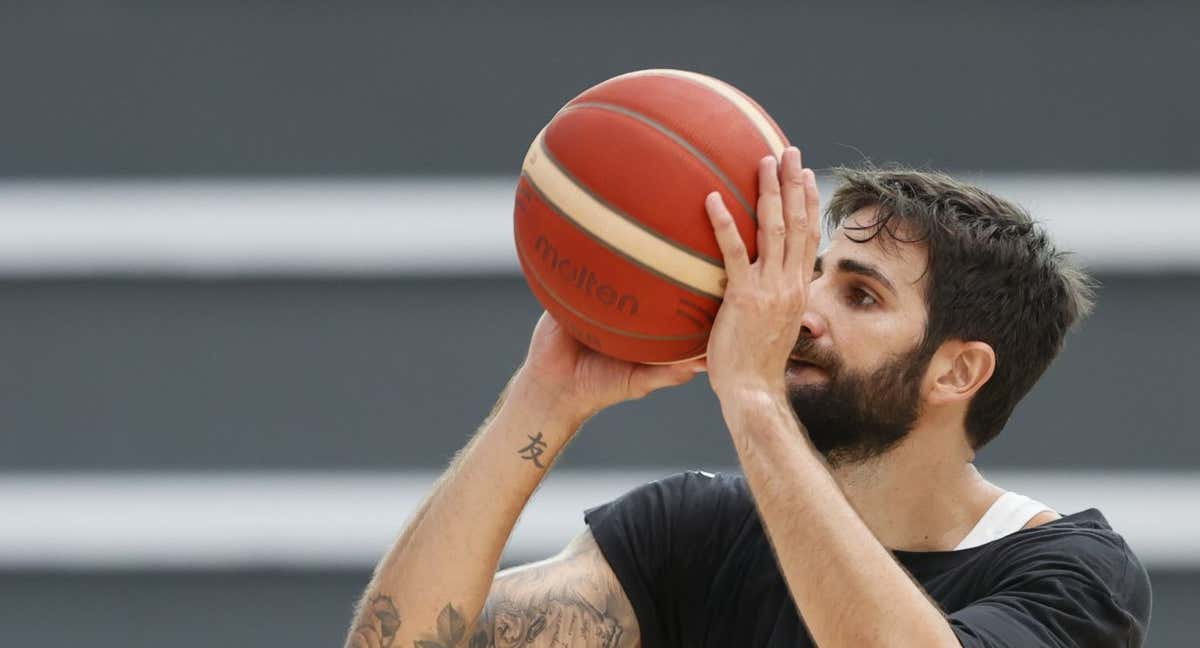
{"x": 752, "y": 395}
{"x": 530, "y": 397}
{"x": 753, "y": 410}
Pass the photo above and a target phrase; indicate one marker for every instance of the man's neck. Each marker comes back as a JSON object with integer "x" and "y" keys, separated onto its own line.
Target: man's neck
{"x": 922, "y": 495}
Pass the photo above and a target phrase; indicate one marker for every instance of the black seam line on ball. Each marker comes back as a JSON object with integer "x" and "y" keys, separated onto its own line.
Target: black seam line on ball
{"x": 532, "y": 268}
{"x": 699, "y": 309}
{"x": 689, "y": 317}
{"x": 678, "y": 139}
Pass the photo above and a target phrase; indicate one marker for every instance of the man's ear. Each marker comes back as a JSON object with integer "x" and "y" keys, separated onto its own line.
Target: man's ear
{"x": 959, "y": 369}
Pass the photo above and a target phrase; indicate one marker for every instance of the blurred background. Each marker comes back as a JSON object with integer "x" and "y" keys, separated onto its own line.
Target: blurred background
{"x": 258, "y": 284}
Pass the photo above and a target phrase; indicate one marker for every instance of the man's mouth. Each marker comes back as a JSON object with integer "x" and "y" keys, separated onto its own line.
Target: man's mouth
{"x": 799, "y": 366}
{"x": 796, "y": 361}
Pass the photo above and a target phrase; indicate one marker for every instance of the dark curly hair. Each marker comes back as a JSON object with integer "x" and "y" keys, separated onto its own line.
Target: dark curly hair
{"x": 993, "y": 275}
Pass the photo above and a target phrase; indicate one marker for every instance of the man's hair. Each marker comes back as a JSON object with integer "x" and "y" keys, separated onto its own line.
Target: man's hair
{"x": 993, "y": 276}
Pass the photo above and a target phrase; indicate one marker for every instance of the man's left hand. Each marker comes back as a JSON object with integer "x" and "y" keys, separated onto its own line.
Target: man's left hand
{"x": 760, "y": 319}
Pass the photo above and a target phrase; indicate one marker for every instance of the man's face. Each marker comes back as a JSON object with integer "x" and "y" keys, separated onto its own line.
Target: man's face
{"x": 855, "y": 375}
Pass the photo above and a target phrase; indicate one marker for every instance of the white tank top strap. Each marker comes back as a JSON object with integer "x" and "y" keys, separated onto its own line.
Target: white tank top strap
{"x": 1008, "y": 514}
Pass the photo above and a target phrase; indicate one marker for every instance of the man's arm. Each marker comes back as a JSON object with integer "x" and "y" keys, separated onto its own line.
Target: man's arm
{"x": 439, "y": 571}
{"x": 430, "y": 588}
{"x": 573, "y": 599}
{"x": 849, "y": 589}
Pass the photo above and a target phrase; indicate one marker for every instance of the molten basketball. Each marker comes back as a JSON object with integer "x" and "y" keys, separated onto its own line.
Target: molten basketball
{"x": 610, "y": 225}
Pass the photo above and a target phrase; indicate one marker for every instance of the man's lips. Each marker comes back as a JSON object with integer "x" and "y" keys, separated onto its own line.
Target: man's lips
{"x": 797, "y": 364}
{"x": 803, "y": 362}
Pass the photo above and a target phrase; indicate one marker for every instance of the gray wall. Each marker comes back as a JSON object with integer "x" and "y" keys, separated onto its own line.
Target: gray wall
{"x": 224, "y": 88}
{"x": 392, "y": 373}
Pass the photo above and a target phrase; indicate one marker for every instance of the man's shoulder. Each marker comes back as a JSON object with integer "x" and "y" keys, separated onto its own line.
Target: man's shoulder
{"x": 686, "y": 490}
{"x": 1086, "y": 532}
{"x": 1081, "y": 545}
{"x": 706, "y": 481}
{"x": 688, "y": 501}
{"x": 701, "y": 491}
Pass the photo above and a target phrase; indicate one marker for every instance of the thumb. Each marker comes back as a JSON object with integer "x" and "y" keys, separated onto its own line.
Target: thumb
{"x": 647, "y": 378}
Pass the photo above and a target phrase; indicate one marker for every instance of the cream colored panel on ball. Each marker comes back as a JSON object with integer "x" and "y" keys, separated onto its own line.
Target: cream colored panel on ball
{"x": 616, "y": 230}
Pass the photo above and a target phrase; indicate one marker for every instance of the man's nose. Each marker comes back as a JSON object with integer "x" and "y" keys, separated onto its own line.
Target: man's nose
{"x": 812, "y": 324}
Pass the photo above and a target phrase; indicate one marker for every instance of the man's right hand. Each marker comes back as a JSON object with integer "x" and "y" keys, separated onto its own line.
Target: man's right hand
{"x": 580, "y": 382}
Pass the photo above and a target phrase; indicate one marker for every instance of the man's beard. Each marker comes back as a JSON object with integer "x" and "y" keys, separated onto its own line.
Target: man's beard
{"x": 854, "y": 416}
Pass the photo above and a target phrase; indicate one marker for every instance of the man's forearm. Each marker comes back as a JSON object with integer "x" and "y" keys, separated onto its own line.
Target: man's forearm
{"x": 847, "y": 586}
{"x": 435, "y": 579}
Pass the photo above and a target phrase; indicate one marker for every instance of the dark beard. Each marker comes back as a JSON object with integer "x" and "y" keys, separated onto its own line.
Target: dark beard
{"x": 853, "y": 417}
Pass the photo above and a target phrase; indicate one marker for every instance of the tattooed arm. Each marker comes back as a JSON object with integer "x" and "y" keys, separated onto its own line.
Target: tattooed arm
{"x": 572, "y": 600}
{"x": 430, "y": 590}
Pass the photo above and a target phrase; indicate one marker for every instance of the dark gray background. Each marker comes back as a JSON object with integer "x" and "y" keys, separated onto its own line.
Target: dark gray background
{"x": 301, "y": 373}
{"x": 396, "y": 373}
{"x": 233, "y": 88}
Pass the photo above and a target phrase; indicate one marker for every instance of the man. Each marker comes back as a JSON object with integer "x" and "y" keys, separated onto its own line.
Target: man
{"x": 856, "y": 387}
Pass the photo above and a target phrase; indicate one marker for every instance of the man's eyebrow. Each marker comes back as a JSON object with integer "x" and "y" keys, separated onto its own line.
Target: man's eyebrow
{"x": 859, "y": 268}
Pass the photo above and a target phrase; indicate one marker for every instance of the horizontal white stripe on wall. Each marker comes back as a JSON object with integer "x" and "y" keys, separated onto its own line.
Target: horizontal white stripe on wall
{"x": 463, "y": 225}
{"x": 318, "y": 520}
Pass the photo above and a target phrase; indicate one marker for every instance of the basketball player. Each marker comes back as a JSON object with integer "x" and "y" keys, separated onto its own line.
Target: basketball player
{"x": 856, "y": 387}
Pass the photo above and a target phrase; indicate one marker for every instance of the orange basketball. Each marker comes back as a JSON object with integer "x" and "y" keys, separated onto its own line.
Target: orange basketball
{"x": 610, "y": 225}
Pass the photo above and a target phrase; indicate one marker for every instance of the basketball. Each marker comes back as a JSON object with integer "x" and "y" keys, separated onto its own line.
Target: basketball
{"x": 610, "y": 227}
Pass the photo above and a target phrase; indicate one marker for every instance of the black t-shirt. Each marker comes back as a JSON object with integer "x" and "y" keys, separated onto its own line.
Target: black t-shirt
{"x": 694, "y": 560}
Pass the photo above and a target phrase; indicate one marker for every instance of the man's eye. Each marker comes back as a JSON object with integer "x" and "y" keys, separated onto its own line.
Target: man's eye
{"x": 860, "y": 298}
